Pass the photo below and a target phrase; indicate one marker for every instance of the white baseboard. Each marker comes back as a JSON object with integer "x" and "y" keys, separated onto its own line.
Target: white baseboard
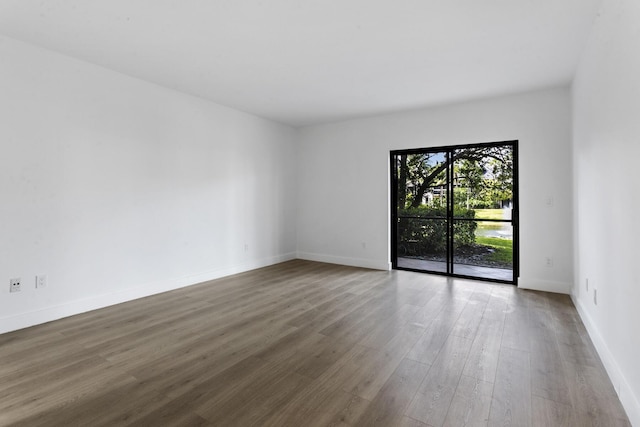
{"x": 544, "y": 285}
{"x": 353, "y": 262}
{"x": 628, "y": 399}
{"x": 48, "y": 314}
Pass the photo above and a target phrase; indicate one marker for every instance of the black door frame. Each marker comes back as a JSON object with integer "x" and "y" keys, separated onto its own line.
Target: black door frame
{"x": 450, "y": 202}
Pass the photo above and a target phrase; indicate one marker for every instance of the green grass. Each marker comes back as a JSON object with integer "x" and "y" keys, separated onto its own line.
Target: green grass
{"x": 503, "y": 249}
{"x": 490, "y": 225}
{"x": 489, "y": 213}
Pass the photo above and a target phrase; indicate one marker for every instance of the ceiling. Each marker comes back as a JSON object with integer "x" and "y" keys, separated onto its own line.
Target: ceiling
{"x": 303, "y": 62}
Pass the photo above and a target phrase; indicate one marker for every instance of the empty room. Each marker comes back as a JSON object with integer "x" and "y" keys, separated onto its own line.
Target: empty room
{"x": 338, "y": 213}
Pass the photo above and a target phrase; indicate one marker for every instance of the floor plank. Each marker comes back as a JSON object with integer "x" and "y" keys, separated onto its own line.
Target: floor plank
{"x": 511, "y": 402}
{"x": 471, "y": 403}
{"x": 431, "y": 403}
{"x": 387, "y": 409}
{"x": 483, "y": 357}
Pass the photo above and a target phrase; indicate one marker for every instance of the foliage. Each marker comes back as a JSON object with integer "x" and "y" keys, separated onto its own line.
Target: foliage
{"x": 425, "y": 232}
{"x": 482, "y": 177}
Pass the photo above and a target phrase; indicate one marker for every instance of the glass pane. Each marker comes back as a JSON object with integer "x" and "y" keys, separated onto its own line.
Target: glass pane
{"x": 422, "y": 186}
{"x": 422, "y": 197}
{"x": 422, "y": 244}
{"x": 483, "y": 182}
{"x": 483, "y": 249}
{"x": 483, "y": 189}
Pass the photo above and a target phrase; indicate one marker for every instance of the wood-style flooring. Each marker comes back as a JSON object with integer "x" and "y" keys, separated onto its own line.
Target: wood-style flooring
{"x": 311, "y": 344}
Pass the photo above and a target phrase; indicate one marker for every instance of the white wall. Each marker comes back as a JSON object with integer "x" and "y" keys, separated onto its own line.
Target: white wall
{"x": 116, "y": 188}
{"x": 606, "y": 150}
{"x": 343, "y": 179}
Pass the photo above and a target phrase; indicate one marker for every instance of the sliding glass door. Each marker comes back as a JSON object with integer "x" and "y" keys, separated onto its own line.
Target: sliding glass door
{"x": 454, "y": 210}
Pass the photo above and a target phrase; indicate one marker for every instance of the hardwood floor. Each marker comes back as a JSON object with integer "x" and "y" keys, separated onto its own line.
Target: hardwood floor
{"x": 311, "y": 344}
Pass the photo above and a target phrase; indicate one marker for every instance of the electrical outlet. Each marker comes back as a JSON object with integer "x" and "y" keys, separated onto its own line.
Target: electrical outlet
{"x": 41, "y": 281}
{"x": 549, "y": 261}
{"x": 14, "y": 285}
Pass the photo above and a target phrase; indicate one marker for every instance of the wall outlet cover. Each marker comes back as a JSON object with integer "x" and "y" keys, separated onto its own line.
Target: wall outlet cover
{"x": 15, "y": 285}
